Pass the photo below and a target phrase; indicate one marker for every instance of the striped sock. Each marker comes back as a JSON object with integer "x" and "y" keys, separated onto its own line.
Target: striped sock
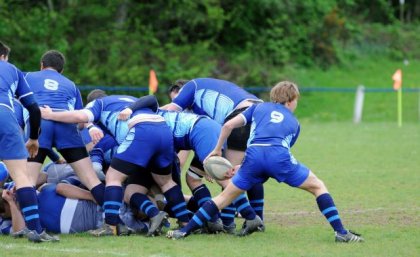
{"x": 28, "y": 203}
{"x": 112, "y": 203}
{"x": 202, "y": 195}
{"x": 177, "y": 203}
{"x": 208, "y": 210}
{"x": 228, "y": 214}
{"x": 244, "y": 208}
{"x": 256, "y": 199}
{"x": 327, "y": 207}
{"x": 141, "y": 202}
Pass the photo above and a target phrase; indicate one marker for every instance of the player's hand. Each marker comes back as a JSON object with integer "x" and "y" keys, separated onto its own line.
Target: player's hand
{"x": 45, "y": 112}
{"x": 125, "y": 114}
{"x": 61, "y": 161}
{"x": 8, "y": 195}
{"x": 232, "y": 172}
{"x": 215, "y": 152}
{"x": 96, "y": 134}
{"x": 208, "y": 178}
{"x": 32, "y": 145}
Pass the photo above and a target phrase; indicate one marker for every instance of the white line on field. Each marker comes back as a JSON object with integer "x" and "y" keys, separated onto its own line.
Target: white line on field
{"x": 66, "y": 250}
{"x": 380, "y": 209}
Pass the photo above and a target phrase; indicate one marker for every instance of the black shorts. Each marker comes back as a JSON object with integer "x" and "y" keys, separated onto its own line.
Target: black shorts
{"x": 239, "y": 137}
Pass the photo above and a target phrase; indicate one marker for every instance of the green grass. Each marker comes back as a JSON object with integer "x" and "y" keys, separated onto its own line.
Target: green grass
{"x": 372, "y": 171}
{"x": 372, "y": 73}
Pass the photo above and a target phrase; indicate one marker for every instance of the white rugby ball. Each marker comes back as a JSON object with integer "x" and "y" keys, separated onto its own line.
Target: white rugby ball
{"x": 217, "y": 167}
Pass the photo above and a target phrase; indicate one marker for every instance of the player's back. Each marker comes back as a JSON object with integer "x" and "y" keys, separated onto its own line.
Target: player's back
{"x": 212, "y": 97}
{"x": 272, "y": 124}
{"x": 53, "y": 89}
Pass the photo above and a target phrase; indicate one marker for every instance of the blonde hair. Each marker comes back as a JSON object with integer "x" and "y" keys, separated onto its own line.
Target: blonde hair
{"x": 283, "y": 92}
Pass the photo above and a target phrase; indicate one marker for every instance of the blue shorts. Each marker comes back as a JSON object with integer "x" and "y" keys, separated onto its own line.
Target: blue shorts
{"x": 148, "y": 144}
{"x": 59, "y": 135}
{"x": 264, "y": 162}
{"x": 204, "y": 136}
{"x": 11, "y": 137}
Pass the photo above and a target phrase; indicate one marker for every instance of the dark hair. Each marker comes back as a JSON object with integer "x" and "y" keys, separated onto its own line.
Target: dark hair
{"x": 176, "y": 86}
{"x": 4, "y": 49}
{"x": 95, "y": 94}
{"x": 53, "y": 59}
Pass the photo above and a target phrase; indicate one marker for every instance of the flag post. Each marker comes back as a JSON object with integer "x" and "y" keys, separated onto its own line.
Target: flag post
{"x": 399, "y": 107}
{"x": 397, "y": 77}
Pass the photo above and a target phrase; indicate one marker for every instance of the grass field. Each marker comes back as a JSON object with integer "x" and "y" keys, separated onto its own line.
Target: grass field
{"x": 372, "y": 171}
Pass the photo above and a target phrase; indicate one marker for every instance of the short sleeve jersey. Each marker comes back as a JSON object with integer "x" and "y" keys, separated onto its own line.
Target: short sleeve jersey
{"x": 105, "y": 111}
{"x": 212, "y": 97}
{"x": 55, "y": 90}
{"x": 271, "y": 124}
{"x": 13, "y": 83}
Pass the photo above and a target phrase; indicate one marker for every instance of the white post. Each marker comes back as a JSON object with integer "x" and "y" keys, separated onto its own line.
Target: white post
{"x": 358, "y": 105}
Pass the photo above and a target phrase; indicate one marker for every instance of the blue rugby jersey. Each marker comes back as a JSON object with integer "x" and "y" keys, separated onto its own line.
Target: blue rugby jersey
{"x": 181, "y": 124}
{"x": 13, "y": 83}
{"x": 55, "y": 90}
{"x": 271, "y": 124}
{"x": 212, "y": 97}
{"x": 105, "y": 111}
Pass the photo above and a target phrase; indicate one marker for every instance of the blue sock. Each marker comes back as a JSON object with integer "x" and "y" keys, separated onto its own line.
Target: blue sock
{"x": 98, "y": 193}
{"x": 228, "y": 214}
{"x": 201, "y": 195}
{"x": 141, "y": 202}
{"x": 177, "y": 203}
{"x": 28, "y": 203}
{"x": 256, "y": 199}
{"x": 244, "y": 208}
{"x": 327, "y": 207}
{"x": 208, "y": 210}
{"x": 192, "y": 204}
{"x": 112, "y": 204}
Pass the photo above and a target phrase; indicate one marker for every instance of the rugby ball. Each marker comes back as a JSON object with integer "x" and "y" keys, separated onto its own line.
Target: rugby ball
{"x": 217, "y": 167}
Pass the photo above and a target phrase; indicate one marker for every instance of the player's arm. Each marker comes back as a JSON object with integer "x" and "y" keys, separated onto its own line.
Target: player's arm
{"x": 74, "y": 192}
{"x": 18, "y": 223}
{"x": 76, "y": 116}
{"x": 148, "y": 101}
{"x": 236, "y": 122}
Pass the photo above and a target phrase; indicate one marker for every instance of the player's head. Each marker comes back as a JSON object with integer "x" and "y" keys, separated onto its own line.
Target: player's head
{"x": 53, "y": 59}
{"x": 95, "y": 94}
{"x": 4, "y": 51}
{"x": 284, "y": 93}
{"x": 175, "y": 87}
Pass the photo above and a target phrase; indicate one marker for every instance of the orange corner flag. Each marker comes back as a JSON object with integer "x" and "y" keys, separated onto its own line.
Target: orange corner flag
{"x": 397, "y": 77}
{"x": 153, "y": 82}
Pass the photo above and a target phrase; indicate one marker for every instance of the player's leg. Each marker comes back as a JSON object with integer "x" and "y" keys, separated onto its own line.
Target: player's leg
{"x": 326, "y": 205}
{"x": 79, "y": 160}
{"x": 135, "y": 195}
{"x": 70, "y": 144}
{"x": 34, "y": 165}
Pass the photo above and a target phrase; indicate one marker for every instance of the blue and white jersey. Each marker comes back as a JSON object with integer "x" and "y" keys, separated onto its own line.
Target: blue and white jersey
{"x": 271, "y": 125}
{"x": 105, "y": 111}
{"x": 55, "y": 90}
{"x": 22, "y": 115}
{"x": 212, "y": 97}
{"x": 181, "y": 124}
{"x": 13, "y": 83}
{"x": 59, "y": 214}
{"x": 5, "y": 226}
